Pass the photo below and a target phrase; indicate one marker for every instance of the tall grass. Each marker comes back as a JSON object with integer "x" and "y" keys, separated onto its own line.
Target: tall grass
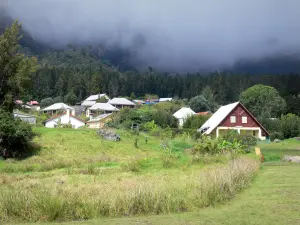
{"x": 136, "y": 195}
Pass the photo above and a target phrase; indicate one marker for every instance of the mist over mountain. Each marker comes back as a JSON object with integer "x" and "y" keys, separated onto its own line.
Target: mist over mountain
{"x": 175, "y": 36}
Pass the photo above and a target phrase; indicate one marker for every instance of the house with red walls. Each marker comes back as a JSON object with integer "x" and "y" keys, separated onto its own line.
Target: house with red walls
{"x": 234, "y": 116}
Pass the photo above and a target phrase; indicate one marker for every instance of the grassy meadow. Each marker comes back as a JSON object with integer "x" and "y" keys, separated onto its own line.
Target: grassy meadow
{"x": 75, "y": 175}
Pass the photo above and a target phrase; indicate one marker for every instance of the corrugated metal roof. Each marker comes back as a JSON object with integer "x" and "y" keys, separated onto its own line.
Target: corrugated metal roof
{"x": 217, "y": 118}
{"x": 87, "y": 103}
{"x": 120, "y": 101}
{"x": 103, "y": 107}
{"x": 58, "y": 106}
{"x": 96, "y": 97}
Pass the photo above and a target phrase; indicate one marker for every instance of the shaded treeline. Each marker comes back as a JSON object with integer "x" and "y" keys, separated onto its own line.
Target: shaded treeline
{"x": 59, "y": 81}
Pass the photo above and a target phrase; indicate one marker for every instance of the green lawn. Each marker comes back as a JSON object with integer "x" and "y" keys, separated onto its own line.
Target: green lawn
{"x": 286, "y": 147}
{"x": 273, "y": 198}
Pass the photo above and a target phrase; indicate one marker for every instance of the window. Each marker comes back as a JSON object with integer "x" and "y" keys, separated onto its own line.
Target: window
{"x": 244, "y": 119}
{"x": 233, "y": 119}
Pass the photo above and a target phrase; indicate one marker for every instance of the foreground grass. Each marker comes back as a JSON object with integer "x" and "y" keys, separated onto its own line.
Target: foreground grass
{"x": 273, "y": 198}
{"x": 78, "y": 176}
{"x": 36, "y": 200}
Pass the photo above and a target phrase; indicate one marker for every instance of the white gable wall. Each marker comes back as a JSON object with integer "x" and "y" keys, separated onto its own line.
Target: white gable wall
{"x": 65, "y": 119}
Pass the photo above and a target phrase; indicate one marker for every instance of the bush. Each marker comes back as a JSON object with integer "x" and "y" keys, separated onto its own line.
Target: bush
{"x": 46, "y": 102}
{"x": 246, "y": 141}
{"x": 149, "y": 126}
{"x": 15, "y": 135}
{"x": 165, "y": 119}
{"x": 290, "y": 125}
{"x": 195, "y": 122}
{"x": 276, "y": 135}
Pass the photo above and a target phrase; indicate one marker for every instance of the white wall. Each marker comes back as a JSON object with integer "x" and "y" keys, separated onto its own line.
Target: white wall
{"x": 65, "y": 119}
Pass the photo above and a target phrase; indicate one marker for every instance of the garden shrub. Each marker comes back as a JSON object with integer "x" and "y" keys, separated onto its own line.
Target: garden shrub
{"x": 195, "y": 122}
{"x": 15, "y": 136}
{"x": 276, "y": 135}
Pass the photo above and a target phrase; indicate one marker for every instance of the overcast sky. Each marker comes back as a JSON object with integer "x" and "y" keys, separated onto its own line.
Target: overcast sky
{"x": 168, "y": 34}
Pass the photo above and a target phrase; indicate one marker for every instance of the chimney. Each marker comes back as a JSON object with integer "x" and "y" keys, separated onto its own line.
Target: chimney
{"x": 68, "y": 112}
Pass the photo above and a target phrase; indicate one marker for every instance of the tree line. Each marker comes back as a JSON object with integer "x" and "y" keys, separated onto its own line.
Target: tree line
{"x": 76, "y": 84}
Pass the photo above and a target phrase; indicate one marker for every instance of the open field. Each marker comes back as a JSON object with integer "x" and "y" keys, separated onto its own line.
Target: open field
{"x": 78, "y": 176}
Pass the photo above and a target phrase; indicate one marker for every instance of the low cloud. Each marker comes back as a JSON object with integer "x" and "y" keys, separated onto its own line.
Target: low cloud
{"x": 173, "y": 35}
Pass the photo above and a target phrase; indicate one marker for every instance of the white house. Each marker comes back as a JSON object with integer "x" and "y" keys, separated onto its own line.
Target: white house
{"x": 121, "y": 103}
{"x": 65, "y": 118}
{"x": 104, "y": 108}
{"x": 182, "y": 114}
{"x": 53, "y": 109}
{"x": 233, "y": 116}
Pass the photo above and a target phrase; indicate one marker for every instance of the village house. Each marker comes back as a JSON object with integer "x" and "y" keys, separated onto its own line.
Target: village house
{"x": 65, "y": 118}
{"x": 233, "y": 117}
{"x": 99, "y": 121}
{"x": 58, "y": 108}
{"x": 121, "y": 103}
{"x": 100, "y": 108}
{"x": 182, "y": 114}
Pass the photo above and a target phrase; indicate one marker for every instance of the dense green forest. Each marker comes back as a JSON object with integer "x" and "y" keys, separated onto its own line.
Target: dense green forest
{"x": 77, "y": 73}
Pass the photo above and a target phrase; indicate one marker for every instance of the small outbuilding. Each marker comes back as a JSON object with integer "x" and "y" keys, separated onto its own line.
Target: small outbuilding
{"x": 182, "y": 114}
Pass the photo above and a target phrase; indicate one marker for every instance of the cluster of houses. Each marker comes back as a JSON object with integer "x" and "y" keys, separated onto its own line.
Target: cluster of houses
{"x": 232, "y": 116}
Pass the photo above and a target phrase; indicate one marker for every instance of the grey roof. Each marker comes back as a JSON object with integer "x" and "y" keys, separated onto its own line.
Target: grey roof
{"x": 87, "y": 103}
{"x": 58, "y": 106}
{"x": 120, "y": 101}
{"x": 103, "y": 107}
{"x": 96, "y": 97}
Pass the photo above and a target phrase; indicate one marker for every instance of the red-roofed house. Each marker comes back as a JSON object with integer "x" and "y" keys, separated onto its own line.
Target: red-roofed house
{"x": 33, "y": 103}
{"x": 234, "y": 116}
